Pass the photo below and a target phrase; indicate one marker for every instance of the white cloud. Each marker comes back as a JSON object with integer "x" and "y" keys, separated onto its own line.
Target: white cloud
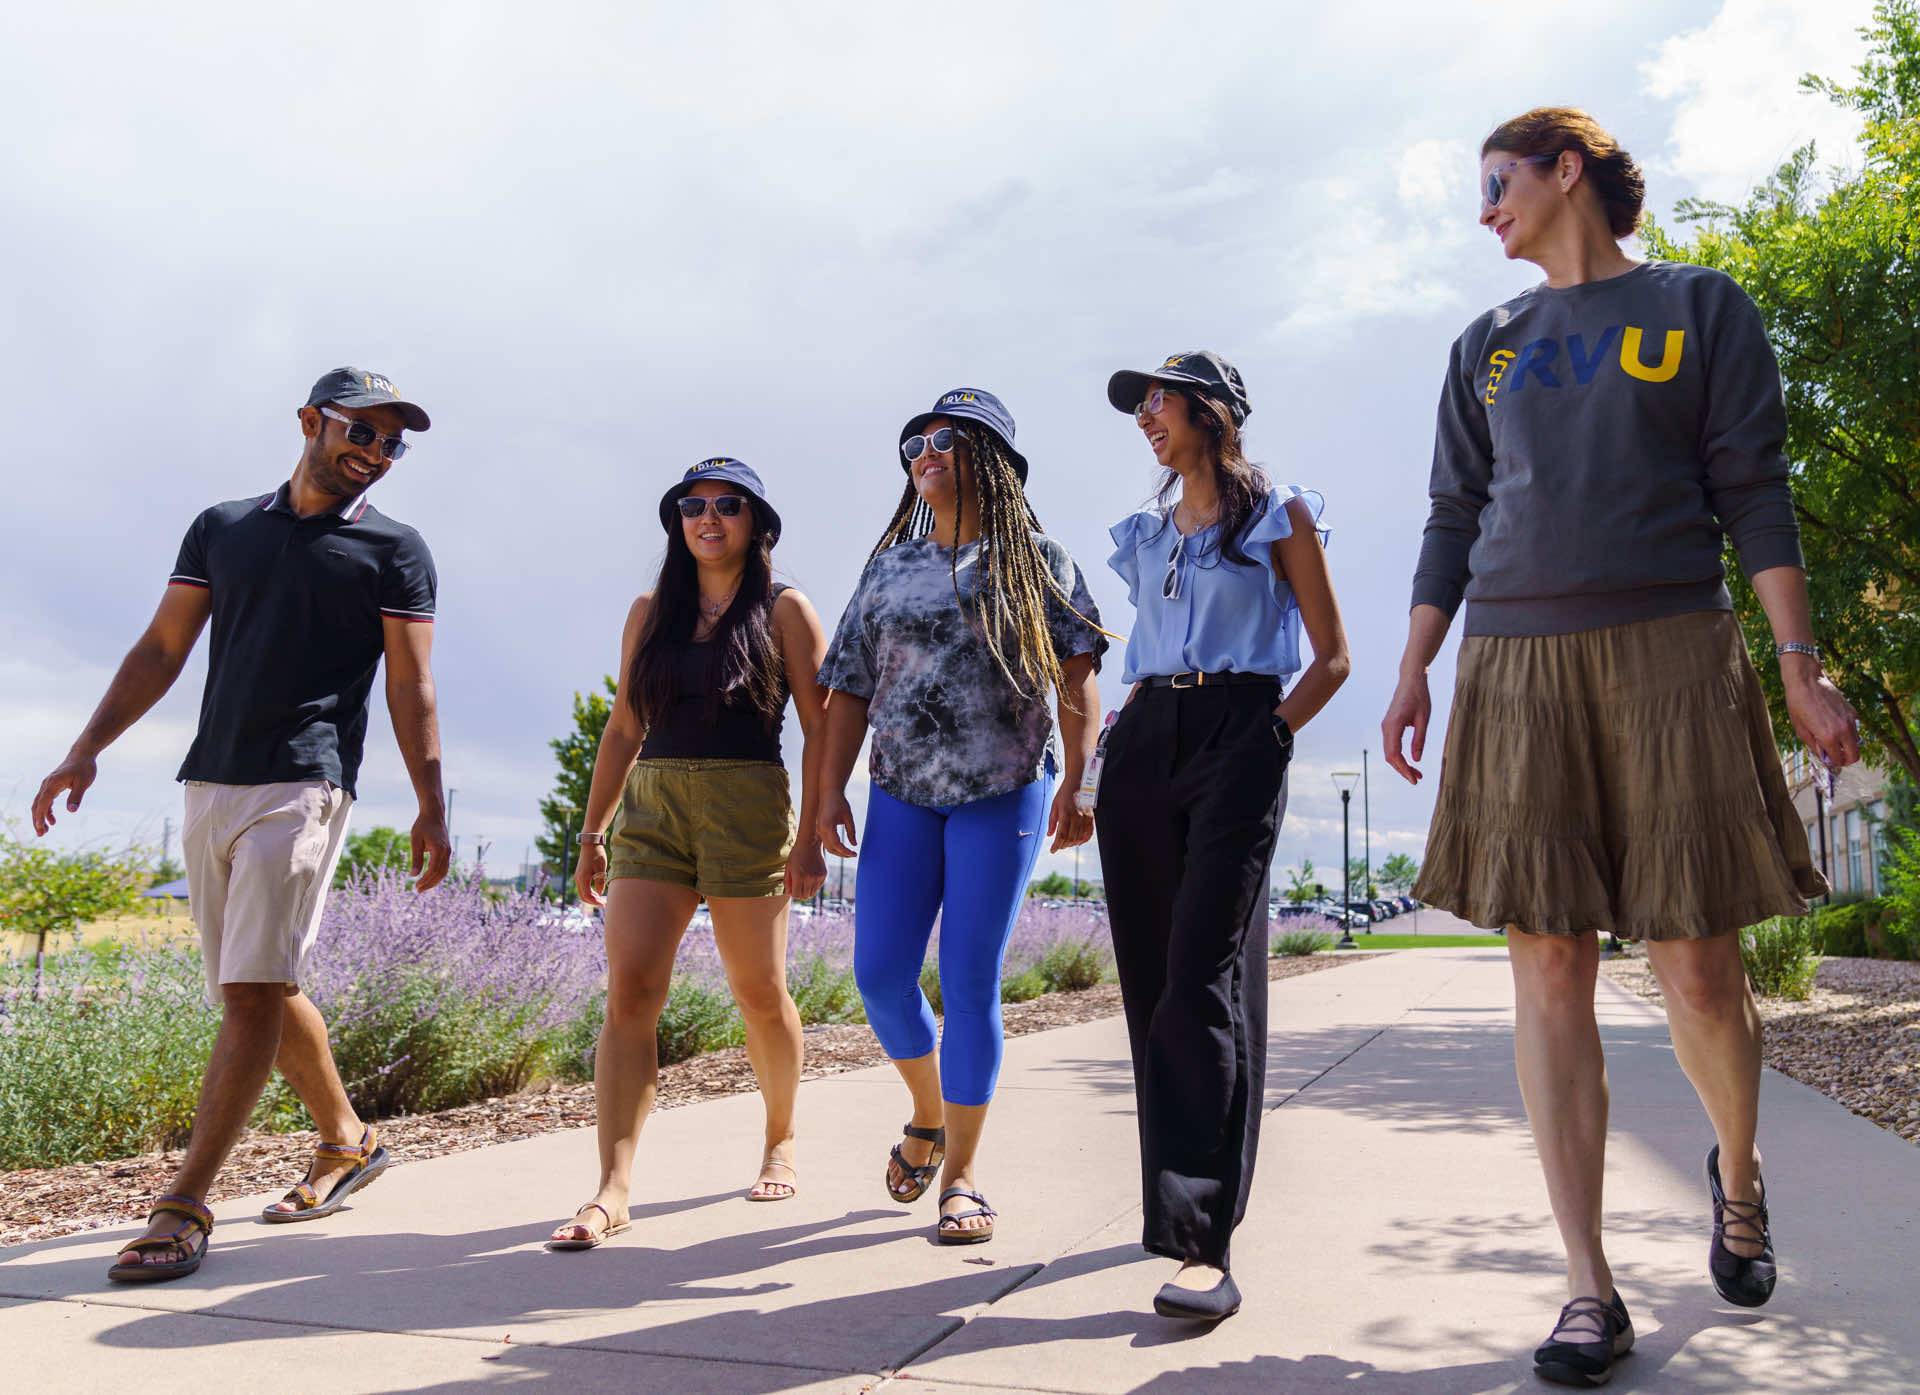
{"x": 1437, "y": 172}
{"x": 1739, "y": 110}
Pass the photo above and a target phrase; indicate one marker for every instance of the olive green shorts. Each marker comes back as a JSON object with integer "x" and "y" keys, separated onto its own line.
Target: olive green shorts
{"x": 722, "y": 827}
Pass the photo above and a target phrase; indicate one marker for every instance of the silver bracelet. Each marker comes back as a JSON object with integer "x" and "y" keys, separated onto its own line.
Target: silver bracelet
{"x": 1794, "y": 646}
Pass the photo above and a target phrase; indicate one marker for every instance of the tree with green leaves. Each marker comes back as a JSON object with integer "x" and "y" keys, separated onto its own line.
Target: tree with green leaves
{"x": 1398, "y": 874}
{"x": 378, "y": 849}
{"x": 43, "y": 892}
{"x": 1365, "y": 886}
{"x": 164, "y": 871}
{"x": 1832, "y": 259}
{"x": 1301, "y": 883}
{"x": 561, "y": 810}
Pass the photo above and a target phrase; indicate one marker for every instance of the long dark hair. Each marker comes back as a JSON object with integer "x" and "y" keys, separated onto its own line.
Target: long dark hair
{"x": 742, "y": 654}
{"x": 1011, "y": 576}
{"x": 1243, "y": 486}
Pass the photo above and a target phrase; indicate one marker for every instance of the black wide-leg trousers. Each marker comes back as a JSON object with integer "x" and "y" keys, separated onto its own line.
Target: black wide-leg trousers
{"x": 1190, "y": 801}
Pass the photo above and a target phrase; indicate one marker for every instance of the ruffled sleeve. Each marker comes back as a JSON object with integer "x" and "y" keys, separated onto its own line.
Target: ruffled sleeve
{"x": 1127, "y": 536}
{"x": 1275, "y": 524}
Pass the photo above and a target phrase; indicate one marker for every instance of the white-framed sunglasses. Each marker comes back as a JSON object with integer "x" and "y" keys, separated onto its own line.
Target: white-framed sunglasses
{"x": 939, "y": 442}
{"x": 362, "y": 435}
{"x": 1494, "y": 187}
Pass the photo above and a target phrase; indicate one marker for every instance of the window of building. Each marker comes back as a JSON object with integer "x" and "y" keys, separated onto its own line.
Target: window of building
{"x": 1877, "y": 842}
{"x": 1855, "y": 880}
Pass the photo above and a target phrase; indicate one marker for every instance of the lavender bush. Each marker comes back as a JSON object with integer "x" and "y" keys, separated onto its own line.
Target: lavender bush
{"x": 431, "y": 1001}
{"x": 457, "y": 995}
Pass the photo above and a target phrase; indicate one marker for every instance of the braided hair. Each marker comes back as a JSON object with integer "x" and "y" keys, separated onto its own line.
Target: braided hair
{"x": 1011, "y": 577}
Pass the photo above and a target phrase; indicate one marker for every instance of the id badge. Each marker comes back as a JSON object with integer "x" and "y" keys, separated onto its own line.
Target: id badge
{"x": 1088, "y": 795}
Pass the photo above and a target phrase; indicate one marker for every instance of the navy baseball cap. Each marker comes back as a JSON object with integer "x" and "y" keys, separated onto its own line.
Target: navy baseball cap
{"x": 971, "y": 404}
{"x": 735, "y": 472}
{"x": 355, "y": 387}
{"x": 1201, "y": 371}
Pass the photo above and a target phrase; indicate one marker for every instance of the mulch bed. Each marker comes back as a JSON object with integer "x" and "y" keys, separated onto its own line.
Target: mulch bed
{"x": 42, "y": 1203}
{"x": 1856, "y": 1040}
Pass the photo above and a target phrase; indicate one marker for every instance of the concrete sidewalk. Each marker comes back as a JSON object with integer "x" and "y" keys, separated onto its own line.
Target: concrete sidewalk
{"x": 1398, "y": 1242}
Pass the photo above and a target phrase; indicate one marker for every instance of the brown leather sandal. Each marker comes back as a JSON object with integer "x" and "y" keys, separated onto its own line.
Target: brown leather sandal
{"x": 199, "y": 1219}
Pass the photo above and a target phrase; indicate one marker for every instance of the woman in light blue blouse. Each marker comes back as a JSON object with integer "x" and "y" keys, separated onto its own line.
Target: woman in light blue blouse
{"x": 1223, "y": 572}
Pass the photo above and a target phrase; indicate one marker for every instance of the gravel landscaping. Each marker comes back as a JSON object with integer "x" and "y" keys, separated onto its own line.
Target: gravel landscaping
{"x": 1856, "y": 1040}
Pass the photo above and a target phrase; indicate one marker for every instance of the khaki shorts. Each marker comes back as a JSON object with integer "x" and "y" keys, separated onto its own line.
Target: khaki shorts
{"x": 1622, "y": 779}
{"x": 259, "y": 861}
{"x": 722, "y": 827}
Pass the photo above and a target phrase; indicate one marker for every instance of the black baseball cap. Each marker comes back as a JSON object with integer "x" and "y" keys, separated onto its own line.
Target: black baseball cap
{"x": 971, "y": 404}
{"x": 1202, "y": 371}
{"x": 722, "y": 467}
{"x": 355, "y": 387}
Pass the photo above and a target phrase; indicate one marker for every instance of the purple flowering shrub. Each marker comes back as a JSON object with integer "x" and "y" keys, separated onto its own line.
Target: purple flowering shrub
{"x": 1305, "y": 935}
{"x": 456, "y": 995}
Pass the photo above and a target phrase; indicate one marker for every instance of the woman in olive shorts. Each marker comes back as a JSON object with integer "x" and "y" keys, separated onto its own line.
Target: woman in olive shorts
{"x": 707, "y": 662}
{"x": 1610, "y": 763}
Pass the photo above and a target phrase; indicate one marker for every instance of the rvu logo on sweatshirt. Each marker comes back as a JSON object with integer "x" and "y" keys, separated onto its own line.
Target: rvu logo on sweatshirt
{"x": 1541, "y": 360}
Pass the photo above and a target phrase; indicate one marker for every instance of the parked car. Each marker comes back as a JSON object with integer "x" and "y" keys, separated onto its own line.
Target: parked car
{"x": 1384, "y": 909}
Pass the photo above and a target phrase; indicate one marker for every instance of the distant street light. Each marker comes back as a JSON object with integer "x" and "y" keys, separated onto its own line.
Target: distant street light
{"x": 1344, "y": 781}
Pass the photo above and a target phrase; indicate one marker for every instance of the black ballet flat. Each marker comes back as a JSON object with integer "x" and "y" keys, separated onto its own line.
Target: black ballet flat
{"x": 1744, "y": 1280}
{"x": 1199, "y": 1305}
{"x": 1586, "y": 1363}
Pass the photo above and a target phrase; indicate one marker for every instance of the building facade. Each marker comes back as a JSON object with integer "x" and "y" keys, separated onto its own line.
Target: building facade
{"x": 1844, "y": 813}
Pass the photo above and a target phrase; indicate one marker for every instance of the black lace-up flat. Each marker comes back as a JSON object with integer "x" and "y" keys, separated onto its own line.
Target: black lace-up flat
{"x": 1744, "y": 1280}
{"x": 1586, "y": 1362}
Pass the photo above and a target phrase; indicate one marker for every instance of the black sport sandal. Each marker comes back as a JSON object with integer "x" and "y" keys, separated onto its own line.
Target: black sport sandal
{"x": 1743, "y": 1280}
{"x": 1587, "y": 1362}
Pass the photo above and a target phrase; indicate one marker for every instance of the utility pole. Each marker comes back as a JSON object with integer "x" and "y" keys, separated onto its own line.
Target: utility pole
{"x": 1366, "y": 828}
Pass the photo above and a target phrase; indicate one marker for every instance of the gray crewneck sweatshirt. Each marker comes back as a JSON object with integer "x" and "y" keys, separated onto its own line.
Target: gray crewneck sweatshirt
{"x": 1595, "y": 442}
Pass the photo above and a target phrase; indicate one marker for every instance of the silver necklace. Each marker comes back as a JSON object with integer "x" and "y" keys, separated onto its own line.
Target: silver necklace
{"x": 713, "y": 609}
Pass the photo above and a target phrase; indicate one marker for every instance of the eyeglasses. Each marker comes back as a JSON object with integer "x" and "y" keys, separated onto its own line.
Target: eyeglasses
{"x": 694, "y": 506}
{"x": 1151, "y": 407}
{"x": 360, "y": 434}
{"x": 1170, "y": 584}
{"x": 1495, "y": 188}
{"x": 940, "y": 441}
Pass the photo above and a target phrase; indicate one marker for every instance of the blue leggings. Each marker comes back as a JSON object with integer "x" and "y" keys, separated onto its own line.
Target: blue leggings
{"x": 968, "y": 864}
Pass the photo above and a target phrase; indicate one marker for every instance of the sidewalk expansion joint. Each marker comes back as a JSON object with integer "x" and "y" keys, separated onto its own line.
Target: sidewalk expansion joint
{"x": 1372, "y": 1037}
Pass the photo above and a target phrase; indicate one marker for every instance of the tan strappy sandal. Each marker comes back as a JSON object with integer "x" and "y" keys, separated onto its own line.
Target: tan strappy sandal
{"x": 369, "y": 1161}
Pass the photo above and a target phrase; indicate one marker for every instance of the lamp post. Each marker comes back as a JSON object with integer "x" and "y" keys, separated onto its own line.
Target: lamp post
{"x": 1343, "y": 780}
{"x": 566, "y": 812}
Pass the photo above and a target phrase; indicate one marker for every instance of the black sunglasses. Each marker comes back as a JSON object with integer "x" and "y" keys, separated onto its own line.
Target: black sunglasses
{"x": 362, "y": 435}
{"x": 916, "y": 446}
{"x": 694, "y": 506}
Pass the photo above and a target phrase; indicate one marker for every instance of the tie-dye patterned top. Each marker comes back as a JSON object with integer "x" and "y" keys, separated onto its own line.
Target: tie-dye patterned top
{"x": 948, "y": 728}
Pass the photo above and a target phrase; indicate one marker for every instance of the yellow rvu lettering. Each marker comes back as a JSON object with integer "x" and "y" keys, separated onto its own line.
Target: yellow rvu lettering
{"x": 1669, "y": 356}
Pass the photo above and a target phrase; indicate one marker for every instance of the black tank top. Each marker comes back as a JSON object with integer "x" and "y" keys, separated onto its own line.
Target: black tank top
{"x": 685, "y": 731}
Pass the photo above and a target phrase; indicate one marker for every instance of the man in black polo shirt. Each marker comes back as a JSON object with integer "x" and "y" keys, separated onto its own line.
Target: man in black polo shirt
{"x": 307, "y": 588}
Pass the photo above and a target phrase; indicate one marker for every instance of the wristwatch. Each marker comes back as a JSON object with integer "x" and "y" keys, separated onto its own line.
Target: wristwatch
{"x": 590, "y": 839}
{"x": 1284, "y": 735}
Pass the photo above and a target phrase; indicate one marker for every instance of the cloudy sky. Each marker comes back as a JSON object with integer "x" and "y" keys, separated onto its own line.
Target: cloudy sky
{"x": 601, "y": 242}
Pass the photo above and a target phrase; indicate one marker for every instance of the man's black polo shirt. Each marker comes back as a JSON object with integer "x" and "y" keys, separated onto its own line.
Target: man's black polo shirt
{"x": 298, "y": 607}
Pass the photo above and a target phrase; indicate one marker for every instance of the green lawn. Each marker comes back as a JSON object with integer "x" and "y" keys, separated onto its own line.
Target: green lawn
{"x": 1362, "y": 940}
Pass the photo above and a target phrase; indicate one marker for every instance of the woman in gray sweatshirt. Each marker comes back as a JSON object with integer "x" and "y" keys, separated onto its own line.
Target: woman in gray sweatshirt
{"x": 1609, "y": 762}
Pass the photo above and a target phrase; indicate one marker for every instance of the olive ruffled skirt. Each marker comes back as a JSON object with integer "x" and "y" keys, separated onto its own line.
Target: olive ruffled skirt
{"x": 1621, "y": 780}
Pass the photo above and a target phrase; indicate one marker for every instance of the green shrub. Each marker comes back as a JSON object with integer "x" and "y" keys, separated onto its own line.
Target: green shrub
{"x": 1843, "y": 928}
{"x": 98, "y": 1065}
{"x": 1068, "y": 966}
{"x": 1300, "y": 942}
{"x": 1022, "y": 987}
{"x": 930, "y": 984}
{"x": 1901, "y": 938}
{"x": 824, "y": 991}
{"x": 698, "y": 1017}
{"x": 1782, "y": 956}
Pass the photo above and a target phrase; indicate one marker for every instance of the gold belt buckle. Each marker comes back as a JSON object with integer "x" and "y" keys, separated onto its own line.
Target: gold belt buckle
{"x": 1198, "y": 679}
